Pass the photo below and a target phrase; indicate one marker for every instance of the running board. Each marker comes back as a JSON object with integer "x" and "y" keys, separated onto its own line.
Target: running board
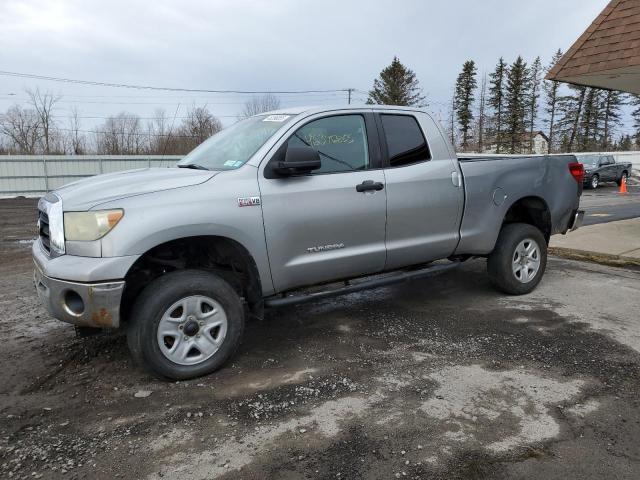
{"x": 403, "y": 276}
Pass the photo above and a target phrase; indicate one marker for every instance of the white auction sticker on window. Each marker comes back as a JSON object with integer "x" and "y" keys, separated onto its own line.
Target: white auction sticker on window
{"x": 276, "y": 118}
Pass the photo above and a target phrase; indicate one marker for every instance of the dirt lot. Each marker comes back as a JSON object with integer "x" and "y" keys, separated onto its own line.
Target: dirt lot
{"x": 441, "y": 378}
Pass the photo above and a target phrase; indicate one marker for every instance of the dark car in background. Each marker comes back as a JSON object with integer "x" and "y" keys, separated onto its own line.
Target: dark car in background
{"x": 603, "y": 168}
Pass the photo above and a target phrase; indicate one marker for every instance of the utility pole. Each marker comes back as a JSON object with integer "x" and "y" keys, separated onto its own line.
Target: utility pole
{"x": 349, "y": 90}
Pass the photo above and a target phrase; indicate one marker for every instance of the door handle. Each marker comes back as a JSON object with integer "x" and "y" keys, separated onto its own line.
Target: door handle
{"x": 369, "y": 185}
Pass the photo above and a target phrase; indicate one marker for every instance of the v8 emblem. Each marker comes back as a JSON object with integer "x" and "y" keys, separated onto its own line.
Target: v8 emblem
{"x": 248, "y": 201}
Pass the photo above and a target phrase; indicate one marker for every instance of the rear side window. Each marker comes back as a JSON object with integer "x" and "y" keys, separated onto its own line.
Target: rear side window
{"x": 405, "y": 142}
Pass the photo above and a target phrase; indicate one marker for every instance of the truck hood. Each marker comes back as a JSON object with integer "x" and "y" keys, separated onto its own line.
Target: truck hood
{"x": 89, "y": 192}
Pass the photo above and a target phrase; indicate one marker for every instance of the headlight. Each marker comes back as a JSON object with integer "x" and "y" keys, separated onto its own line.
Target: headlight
{"x": 89, "y": 226}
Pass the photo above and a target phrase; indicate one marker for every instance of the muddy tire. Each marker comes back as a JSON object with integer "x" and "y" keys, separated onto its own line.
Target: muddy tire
{"x": 518, "y": 260}
{"x": 185, "y": 324}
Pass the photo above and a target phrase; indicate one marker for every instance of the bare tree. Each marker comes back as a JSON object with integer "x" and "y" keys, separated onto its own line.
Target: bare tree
{"x": 121, "y": 135}
{"x": 22, "y": 128}
{"x": 482, "y": 114}
{"x": 256, "y": 105}
{"x": 198, "y": 125}
{"x": 76, "y": 140}
{"x": 43, "y": 104}
{"x": 158, "y": 129}
{"x": 451, "y": 122}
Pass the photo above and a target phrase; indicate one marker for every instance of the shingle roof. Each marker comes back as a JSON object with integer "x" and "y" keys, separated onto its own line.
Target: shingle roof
{"x": 611, "y": 42}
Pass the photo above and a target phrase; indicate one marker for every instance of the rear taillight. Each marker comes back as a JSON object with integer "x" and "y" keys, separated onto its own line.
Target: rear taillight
{"x": 577, "y": 170}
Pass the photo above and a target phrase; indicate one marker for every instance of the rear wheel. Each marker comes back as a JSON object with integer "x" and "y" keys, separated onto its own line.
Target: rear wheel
{"x": 518, "y": 260}
{"x": 624, "y": 176}
{"x": 185, "y": 324}
{"x": 595, "y": 181}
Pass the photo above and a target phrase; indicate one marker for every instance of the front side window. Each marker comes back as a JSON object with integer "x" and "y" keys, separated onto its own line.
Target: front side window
{"x": 340, "y": 140}
{"x": 405, "y": 142}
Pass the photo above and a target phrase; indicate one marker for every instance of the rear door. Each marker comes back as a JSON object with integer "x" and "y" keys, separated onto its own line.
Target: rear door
{"x": 322, "y": 226}
{"x": 424, "y": 191}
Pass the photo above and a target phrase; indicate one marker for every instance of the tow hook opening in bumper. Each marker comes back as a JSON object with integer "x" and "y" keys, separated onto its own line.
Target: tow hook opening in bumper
{"x": 82, "y": 304}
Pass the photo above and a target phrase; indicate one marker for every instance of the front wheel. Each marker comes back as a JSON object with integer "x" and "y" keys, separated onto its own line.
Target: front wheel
{"x": 595, "y": 181}
{"x": 518, "y": 260}
{"x": 185, "y": 324}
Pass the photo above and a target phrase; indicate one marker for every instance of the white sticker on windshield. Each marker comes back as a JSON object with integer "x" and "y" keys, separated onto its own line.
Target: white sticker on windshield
{"x": 276, "y": 118}
{"x": 233, "y": 163}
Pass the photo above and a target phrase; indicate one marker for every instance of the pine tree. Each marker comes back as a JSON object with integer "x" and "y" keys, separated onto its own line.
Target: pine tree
{"x": 517, "y": 93}
{"x": 464, "y": 98}
{"x": 625, "y": 143}
{"x": 570, "y": 107}
{"x": 589, "y": 121}
{"x": 611, "y": 117}
{"x": 497, "y": 101}
{"x": 635, "y": 115}
{"x": 396, "y": 85}
{"x": 552, "y": 95}
{"x": 535, "y": 77}
{"x": 482, "y": 113}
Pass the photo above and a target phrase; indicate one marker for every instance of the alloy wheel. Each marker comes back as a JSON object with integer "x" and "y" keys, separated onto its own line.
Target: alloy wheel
{"x": 192, "y": 330}
{"x": 526, "y": 260}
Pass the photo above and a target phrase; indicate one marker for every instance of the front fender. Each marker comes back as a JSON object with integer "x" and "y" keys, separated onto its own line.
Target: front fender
{"x": 209, "y": 209}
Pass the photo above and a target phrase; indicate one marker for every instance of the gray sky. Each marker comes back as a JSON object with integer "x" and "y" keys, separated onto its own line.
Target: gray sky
{"x": 266, "y": 45}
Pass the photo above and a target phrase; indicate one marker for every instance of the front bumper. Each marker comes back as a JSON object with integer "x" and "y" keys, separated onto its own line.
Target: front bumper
{"x": 84, "y": 291}
{"x": 82, "y": 304}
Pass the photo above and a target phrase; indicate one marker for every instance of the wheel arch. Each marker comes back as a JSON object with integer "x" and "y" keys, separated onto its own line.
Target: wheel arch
{"x": 532, "y": 210}
{"x": 222, "y": 255}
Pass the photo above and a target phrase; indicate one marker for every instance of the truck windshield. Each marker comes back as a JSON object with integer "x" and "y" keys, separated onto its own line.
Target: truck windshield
{"x": 233, "y": 146}
{"x": 589, "y": 159}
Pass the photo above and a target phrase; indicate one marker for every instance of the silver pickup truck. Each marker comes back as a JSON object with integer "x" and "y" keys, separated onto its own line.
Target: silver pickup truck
{"x": 341, "y": 199}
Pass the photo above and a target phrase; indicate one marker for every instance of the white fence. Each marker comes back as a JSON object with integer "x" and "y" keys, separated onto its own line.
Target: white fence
{"x": 33, "y": 175}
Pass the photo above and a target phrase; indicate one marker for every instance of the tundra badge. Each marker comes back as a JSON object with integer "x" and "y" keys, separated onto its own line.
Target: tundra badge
{"x": 324, "y": 248}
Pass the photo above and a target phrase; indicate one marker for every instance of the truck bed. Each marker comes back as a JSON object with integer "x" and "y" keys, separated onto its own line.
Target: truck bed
{"x": 494, "y": 183}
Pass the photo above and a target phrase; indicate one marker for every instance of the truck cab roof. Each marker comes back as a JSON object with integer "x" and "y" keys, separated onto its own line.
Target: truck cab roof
{"x": 312, "y": 109}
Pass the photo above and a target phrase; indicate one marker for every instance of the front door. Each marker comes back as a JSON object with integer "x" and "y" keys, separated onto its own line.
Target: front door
{"x": 320, "y": 226}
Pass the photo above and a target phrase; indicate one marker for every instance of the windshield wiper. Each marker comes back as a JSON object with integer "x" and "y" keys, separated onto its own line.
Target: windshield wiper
{"x": 324, "y": 154}
{"x": 194, "y": 166}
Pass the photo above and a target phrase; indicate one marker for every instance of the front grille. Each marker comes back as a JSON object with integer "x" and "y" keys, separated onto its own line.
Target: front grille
{"x": 43, "y": 230}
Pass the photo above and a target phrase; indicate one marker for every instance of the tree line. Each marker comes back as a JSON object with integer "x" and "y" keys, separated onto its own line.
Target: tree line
{"x": 504, "y": 110}
{"x": 35, "y": 129}
{"x": 499, "y": 112}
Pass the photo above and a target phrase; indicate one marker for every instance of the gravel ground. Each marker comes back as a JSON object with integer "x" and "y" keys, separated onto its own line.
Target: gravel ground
{"x": 440, "y": 378}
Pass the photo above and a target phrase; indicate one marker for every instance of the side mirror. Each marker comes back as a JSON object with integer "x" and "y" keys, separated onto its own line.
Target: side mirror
{"x": 298, "y": 161}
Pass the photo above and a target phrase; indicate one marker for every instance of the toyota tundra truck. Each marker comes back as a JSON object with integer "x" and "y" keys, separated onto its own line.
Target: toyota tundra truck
{"x": 338, "y": 199}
